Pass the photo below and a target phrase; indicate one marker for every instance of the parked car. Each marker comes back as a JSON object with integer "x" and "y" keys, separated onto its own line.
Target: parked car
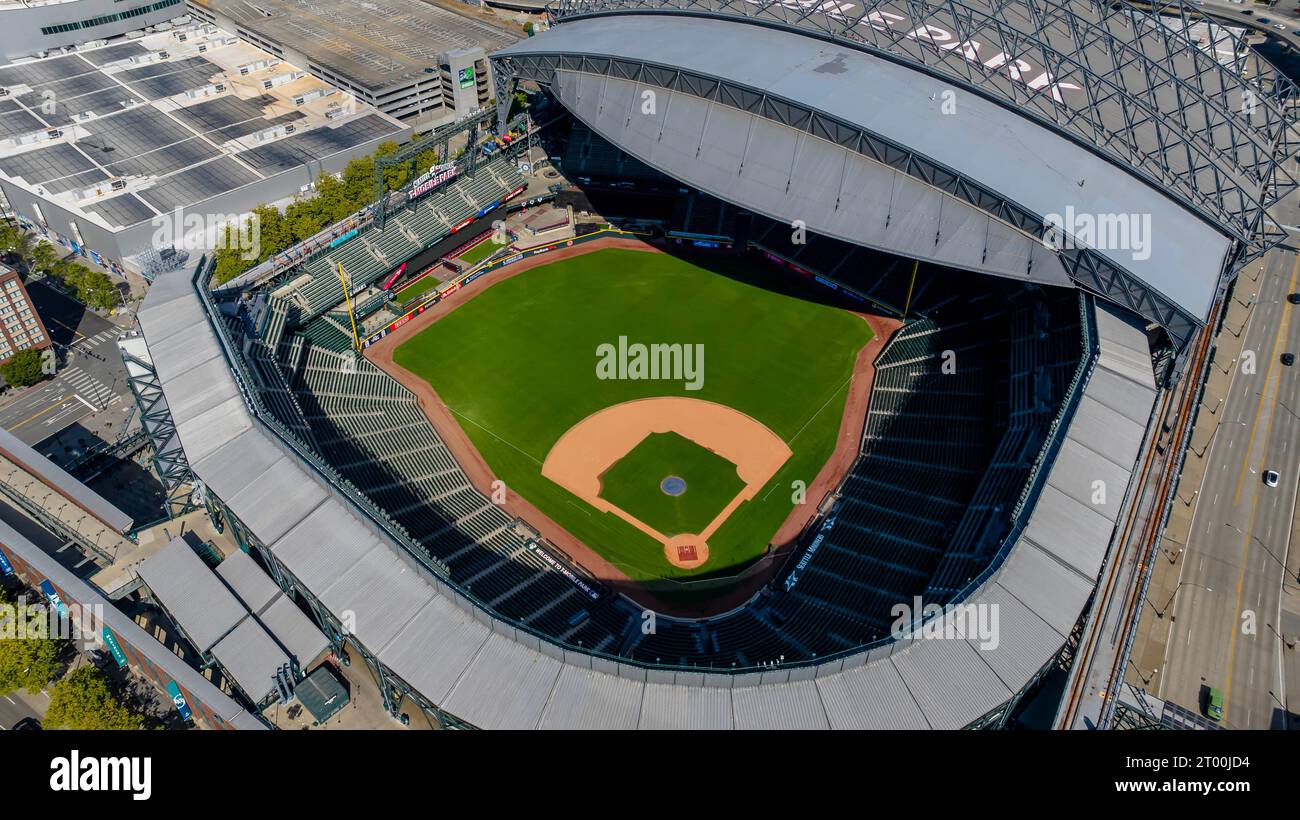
{"x": 1293, "y": 298}
{"x": 1288, "y": 359}
{"x": 27, "y": 724}
{"x": 1271, "y": 478}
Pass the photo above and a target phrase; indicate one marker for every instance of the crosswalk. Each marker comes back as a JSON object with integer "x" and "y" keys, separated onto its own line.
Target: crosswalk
{"x": 99, "y": 338}
{"x": 87, "y": 386}
{"x": 85, "y": 343}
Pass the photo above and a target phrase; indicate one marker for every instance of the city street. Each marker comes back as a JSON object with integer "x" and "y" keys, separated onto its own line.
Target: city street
{"x": 1221, "y": 610}
{"x": 92, "y": 379}
{"x": 20, "y": 705}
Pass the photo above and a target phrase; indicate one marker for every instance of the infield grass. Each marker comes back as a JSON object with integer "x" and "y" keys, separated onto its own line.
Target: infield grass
{"x": 517, "y": 367}
{"x": 633, "y": 483}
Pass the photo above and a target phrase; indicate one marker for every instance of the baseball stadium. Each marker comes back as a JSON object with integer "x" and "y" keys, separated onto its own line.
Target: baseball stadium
{"x": 830, "y": 354}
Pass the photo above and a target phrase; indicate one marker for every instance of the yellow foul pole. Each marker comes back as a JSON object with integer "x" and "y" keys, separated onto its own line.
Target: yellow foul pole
{"x": 347, "y": 297}
{"x": 916, "y": 263}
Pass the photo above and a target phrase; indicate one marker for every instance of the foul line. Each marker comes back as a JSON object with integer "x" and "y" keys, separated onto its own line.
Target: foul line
{"x": 521, "y": 452}
{"x": 835, "y": 393}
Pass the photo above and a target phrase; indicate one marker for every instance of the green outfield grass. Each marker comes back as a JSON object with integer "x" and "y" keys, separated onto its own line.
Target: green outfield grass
{"x": 480, "y": 252}
{"x": 633, "y": 483}
{"x": 416, "y": 288}
{"x": 524, "y": 371}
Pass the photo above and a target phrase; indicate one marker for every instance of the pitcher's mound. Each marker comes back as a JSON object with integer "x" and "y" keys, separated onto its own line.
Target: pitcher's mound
{"x": 673, "y": 485}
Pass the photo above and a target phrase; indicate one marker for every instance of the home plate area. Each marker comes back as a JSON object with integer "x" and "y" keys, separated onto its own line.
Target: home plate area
{"x": 675, "y": 468}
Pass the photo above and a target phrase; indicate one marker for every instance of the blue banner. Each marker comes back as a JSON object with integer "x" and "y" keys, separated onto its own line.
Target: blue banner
{"x": 6, "y": 568}
{"x": 53, "y": 595}
{"x": 339, "y": 240}
{"x": 178, "y": 699}
{"x": 114, "y": 648}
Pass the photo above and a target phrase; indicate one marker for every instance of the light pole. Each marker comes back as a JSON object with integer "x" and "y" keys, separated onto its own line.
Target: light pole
{"x": 1160, "y": 613}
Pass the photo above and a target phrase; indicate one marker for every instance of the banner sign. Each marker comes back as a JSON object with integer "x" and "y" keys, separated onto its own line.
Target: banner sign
{"x": 554, "y": 564}
{"x": 55, "y": 601}
{"x": 467, "y": 77}
{"x": 339, "y": 240}
{"x": 178, "y": 700}
{"x": 114, "y": 648}
{"x": 809, "y": 553}
{"x": 431, "y": 179}
{"x": 6, "y": 568}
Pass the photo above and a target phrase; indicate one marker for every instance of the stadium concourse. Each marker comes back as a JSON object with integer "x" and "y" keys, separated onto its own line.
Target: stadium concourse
{"x": 999, "y": 486}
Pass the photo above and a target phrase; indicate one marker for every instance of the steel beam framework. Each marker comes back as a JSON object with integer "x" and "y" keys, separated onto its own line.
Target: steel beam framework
{"x": 1213, "y": 135}
{"x": 156, "y": 420}
{"x": 1086, "y": 267}
{"x": 440, "y": 139}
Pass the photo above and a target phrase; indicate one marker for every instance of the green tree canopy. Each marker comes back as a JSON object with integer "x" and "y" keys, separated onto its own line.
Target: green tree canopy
{"x": 25, "y": 368}
{"x": 28, "y": 663}
{"x": 83, "y": 700}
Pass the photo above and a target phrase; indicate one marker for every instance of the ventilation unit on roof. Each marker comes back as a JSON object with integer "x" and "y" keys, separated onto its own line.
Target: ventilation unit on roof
{"x": 54, "y": 133}
{"x": 202, "y": 48}
{"x": 4, "y": 92}
{"x": 85, "y": 115}
{"x": 118, "y": 184}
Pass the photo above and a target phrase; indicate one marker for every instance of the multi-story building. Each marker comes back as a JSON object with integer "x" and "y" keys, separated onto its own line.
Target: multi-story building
{"x": 419, "y": 62}
{"x": 20, "y": 326}
{"x": 30, "y": 28}
{"x": 130, "y": 151}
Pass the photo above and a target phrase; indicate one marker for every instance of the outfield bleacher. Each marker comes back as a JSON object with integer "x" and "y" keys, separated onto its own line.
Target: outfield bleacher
{"x": 370, "y": 255}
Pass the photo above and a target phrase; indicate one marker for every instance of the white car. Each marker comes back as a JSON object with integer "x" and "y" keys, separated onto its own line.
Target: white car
{"x": 1279, "y": 27}
{"x": 1271, "y": 478}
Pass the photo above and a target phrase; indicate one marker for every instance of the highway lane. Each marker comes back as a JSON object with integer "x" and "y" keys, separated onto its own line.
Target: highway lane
{"x": 1227, "y": 606}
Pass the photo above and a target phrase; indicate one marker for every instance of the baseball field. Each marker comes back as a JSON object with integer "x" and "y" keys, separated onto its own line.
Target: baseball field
{"x": 659, "y": 411}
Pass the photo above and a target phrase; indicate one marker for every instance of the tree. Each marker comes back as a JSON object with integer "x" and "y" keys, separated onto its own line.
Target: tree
{"x": 15, "y": 240}
{"x": 395, "y": 176}
{"x": 44, "y": 257}
{"x": 25, "y": 368}
{"x": 528, "y": 28}
{"x": 83, "y": 700}
{"x": 98, "y": 290}
{"x": 28, "y": 663}
{"x": 230, "y": 260}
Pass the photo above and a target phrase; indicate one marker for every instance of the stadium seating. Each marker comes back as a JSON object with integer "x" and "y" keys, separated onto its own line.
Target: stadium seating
{"x": 946, "y": 459}
{"x": 369, "y": 257}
